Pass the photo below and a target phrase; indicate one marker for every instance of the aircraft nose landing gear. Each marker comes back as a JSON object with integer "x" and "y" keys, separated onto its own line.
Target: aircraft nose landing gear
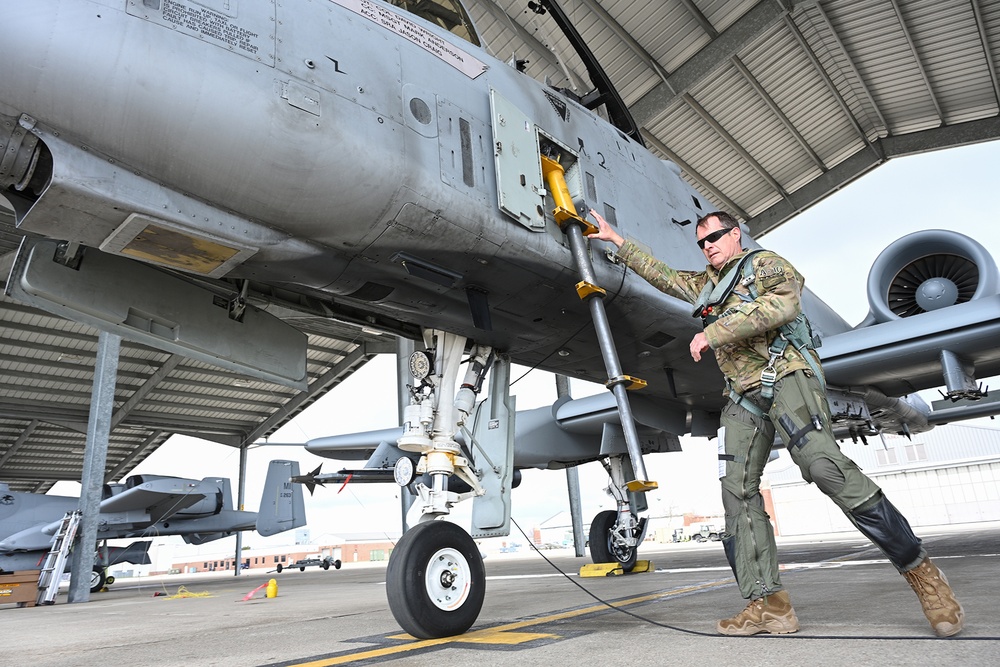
{"x": 435, "y": 580}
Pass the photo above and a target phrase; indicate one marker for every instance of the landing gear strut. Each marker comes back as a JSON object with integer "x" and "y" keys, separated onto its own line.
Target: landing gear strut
{"x": 615, "y": 535}
{"x": 435, "y": 580}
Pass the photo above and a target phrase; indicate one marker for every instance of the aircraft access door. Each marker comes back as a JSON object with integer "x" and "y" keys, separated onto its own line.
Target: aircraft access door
{"x": 520, "y": 190}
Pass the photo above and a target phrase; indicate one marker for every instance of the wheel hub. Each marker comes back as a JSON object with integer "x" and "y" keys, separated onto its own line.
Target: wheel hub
{"x": 448, "y": 579}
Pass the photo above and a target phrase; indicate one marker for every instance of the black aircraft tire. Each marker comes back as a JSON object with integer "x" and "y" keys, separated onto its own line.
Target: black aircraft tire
{"x": 279, "y": 568}
{"x": 97, "y": 579}
{"x": 435, "y": 580}
{"x": 601, "y": 550}
{"x": 326, "y": 565}
{"x": 337, "y": 563}
{"x": 302, "y": 569}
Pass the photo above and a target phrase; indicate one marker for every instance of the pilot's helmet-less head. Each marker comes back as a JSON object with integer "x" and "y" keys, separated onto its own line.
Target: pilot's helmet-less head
{"x": 719, "y": 237}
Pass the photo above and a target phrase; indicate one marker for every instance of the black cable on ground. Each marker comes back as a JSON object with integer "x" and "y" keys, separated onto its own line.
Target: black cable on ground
{"x": 717, "y": 635}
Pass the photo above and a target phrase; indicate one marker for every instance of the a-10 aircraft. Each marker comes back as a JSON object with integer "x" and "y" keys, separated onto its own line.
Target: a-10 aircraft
{"x": 201, "y": 176}
{"x": 147, "y": 506}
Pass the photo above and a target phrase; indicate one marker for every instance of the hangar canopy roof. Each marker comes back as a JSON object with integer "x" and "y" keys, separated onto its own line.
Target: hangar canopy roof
{"x": 770, "y": 106}
{"x": 766, "y": 106}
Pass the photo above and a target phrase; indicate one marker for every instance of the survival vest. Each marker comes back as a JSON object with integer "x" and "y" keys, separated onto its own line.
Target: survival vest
{"x": 798, "y": 332}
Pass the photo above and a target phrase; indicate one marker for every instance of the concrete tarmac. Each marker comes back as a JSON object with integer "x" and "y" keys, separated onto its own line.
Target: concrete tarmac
{"x": 853, "y": 607}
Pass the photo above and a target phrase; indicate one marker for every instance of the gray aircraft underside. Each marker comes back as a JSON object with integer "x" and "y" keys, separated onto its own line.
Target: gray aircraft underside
{"x": 346, "y": 171}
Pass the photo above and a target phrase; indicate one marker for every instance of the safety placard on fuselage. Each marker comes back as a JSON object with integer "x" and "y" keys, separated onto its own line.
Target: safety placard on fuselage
{"x": 249, "y": 32}
{"x": 458, "y": 58}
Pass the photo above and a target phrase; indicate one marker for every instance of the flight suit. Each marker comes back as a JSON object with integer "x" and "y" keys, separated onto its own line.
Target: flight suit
{"x": 740, "y": 332}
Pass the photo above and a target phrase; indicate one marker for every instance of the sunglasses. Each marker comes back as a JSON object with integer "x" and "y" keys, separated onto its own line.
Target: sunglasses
{"x": 714, "y": 237}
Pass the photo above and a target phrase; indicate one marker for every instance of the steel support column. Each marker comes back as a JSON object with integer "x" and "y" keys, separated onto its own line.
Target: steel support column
{"x": 241, "y": 494}
{"x": 573, "y": 485}
{"x": 95, "y": 456}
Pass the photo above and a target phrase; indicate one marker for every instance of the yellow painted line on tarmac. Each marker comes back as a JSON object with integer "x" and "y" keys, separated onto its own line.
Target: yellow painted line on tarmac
{"x": 502, "y": 634}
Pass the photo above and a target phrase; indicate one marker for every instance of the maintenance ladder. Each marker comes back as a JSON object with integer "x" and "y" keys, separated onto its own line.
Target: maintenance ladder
{"x": 55, "y": 560}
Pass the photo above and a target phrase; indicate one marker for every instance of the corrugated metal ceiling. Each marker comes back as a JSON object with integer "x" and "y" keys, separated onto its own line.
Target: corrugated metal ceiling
{"x": 770, "y": 106}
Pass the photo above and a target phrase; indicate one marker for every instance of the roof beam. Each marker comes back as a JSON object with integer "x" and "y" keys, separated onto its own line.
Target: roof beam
{"x": 697, "y": 15}
{"x": 880, "y": 152}
{"x": 626, "y": 38}
{"x": 731, "y": 206}
{"x": 126, "y": 463}
{"x": 735, "y": 145}
{"x": 746, "y": 30}
{"x": 21, "y": 439}
{"x": 65, "y": 416}
{"x": 148, "y": 386}
{"x": 985, "y": 43}
{"x": 917, "y": 60}
{"x": 837, "y": 177}
{"x": 64, "y": 475}
{"x": 950, "y": 136}
{"x": 776, "y": 110}
{"x": 850, "y": 63}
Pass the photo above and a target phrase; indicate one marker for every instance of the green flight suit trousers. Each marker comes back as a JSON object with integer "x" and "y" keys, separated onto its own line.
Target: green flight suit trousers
{"x": 746, "y": 443}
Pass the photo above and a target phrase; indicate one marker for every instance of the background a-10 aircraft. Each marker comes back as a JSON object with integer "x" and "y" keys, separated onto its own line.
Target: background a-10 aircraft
{"x": 245, "y": 168}
{"x": 200, "y": 511}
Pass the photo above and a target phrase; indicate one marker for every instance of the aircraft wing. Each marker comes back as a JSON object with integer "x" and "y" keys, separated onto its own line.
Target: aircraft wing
{"x": 570, "y": 432}
{"x": 354, "y": 446}
{"x": 897, "y": 355}
{"x": 34, "y": 538}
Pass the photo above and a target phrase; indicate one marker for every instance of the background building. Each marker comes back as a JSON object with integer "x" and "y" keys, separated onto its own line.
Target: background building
{"x": 945, "y": 476}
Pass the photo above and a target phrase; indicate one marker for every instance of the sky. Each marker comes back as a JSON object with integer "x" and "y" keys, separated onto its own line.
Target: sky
{"x": 833, "y": 244}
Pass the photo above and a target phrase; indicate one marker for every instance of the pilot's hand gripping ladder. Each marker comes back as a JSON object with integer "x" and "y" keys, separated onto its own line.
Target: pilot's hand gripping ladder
{"x": 573, "y": 226}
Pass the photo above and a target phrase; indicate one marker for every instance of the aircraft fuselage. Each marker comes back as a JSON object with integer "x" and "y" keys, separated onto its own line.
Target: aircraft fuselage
{"x": 338, "y": 154}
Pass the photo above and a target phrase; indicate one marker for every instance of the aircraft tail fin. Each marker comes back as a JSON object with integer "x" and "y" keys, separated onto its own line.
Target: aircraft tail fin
{"x": 227, "y": 493}
{"x": 282, "y": 506}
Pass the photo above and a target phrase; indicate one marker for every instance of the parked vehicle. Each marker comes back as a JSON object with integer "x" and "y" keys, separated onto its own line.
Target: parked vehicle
{"x": 706, "y": 532}
{"x": 303, "y": 563}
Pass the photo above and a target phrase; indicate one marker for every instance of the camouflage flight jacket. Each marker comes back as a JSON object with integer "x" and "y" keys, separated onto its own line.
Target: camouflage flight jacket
{"x": 742, "y": 334}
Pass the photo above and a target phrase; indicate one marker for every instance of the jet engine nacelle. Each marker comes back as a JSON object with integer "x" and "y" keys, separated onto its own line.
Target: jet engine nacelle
{"x": 210, "y": 505}
{"x": 138, "y": 480}
{"x": 928, "y": 270}
{"x": 214, "y": 492}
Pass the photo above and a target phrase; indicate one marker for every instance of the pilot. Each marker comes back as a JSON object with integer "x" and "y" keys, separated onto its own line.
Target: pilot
{"x": 749, "y": 302}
